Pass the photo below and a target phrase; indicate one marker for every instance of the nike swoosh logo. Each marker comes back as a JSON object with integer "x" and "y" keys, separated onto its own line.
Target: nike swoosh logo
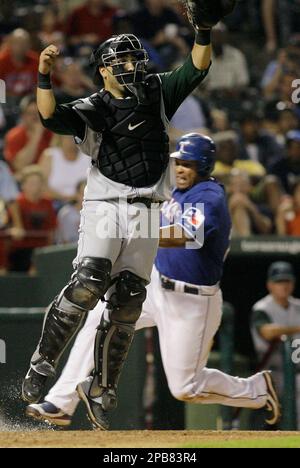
{"x": 133, "y": 127}
{"x": 95, "y": 279}
{"x": 134, "y": 294}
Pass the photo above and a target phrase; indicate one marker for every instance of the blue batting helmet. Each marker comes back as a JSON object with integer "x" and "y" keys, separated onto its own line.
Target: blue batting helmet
{"x": 199, "y": 148}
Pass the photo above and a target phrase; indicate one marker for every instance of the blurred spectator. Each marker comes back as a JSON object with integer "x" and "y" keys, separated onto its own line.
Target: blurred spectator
{"x": 19, "y": 65}
{"x": 62, "y": 8}
{"x": 287, "y": 169}
{"x": 285, "y": 120}
{"x": 160, "y": 25}
{"x": 286, "y": 88}
{"x": 25, "y": 143}
{"x": 68, "y": 218}
{"x": 248, "y": 218}
{"x": 2, "y": 119}
{"x": 74, "y": 83}
{"x": 229, "y": 70}
{"x": 8, "y": 195}
{"x": 38, "y": 217}
{"x": 255, "y": 143}
{"x": 63, "y": 167}
{"x": 220, "y": 120}
{"x": 192, "y": 116}
{"x": 288, "y": 215}
{"x": 90, "y": 23}
{"x": 269, "y": 11}
{"x": 51, "y": 29}
{"x": 122, "y": 22}
{"x": 8, "y": 18}
{"x": 228, "y": 157}
{"x": 274, "y": 316}
{"x": 285, "y": 14}
{"x": 287, "y": 63}
{"x": 128, "y": 5}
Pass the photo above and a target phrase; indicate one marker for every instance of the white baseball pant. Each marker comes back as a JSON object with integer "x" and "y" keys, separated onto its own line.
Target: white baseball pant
{"x": 186, "y": 324}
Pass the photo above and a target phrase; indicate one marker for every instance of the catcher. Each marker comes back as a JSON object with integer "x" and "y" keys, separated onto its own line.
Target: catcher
{"x": 123, "y": 128}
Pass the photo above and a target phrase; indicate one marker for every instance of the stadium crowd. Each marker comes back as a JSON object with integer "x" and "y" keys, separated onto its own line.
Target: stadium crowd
{"x": 249, "y": 104}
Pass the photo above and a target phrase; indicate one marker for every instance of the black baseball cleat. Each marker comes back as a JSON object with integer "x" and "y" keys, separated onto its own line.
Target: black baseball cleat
{"x": 49, "y": 413}
{"x": 33, "y": 386}
{"x": 96, "y": 413}
{"x": 272, "y": 405}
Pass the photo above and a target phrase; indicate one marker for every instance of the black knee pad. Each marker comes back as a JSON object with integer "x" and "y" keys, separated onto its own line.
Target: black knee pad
{"x": 89, "y": 283}
{"x": 128, "y": 299}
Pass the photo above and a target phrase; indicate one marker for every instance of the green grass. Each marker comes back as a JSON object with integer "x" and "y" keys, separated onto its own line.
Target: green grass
{"x": 274, "y": 442}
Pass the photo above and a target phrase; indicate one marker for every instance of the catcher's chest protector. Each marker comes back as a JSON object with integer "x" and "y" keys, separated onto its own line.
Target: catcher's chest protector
{"x": 135, "y": 146}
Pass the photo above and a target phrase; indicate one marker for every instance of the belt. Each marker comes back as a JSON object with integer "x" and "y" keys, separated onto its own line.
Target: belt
{"x": 179, "y": 286}
{"x": 145, "y": 201}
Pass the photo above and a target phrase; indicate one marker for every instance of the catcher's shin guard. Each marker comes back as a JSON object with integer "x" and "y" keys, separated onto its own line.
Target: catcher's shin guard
{"x": 113, "y": 339}
{"x": 98, "y": 392}
{"x": 112, "y": 343}
{"x": 116, "y": 330}
{"x": 68, "y": 311}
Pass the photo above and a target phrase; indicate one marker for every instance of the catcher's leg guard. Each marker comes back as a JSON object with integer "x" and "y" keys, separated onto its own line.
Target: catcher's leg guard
{"x": 64, "y": 317}
{"x": 113, "y": 339}
{"x": 98, "y": 392}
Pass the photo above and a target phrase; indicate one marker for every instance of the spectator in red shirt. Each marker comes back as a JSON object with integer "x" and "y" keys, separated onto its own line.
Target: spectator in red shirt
{"x": 288, "y": 215}
{"x": 51, "y": 29}
{"x": 90, "y": 23}
{"x": 38, "y": 217}
{"x": 19, "y": 65}
{"x": 25, "y": 143}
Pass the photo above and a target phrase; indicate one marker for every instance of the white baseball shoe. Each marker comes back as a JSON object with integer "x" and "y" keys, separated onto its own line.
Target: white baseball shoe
{"x": 48, "y": 413}
{"x": 272, "y": 405}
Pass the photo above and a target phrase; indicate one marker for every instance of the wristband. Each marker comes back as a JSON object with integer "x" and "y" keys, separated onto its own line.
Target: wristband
{"x": 44, "y": 81}
{"x": 203, "y": 37}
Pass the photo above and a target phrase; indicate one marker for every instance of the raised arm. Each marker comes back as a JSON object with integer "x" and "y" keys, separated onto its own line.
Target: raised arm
{"x": 179, "y": 83}
{"x": 45, "y": 97}
{"x": 268, "y": 14}
{"x": 203, "y": 15}
{"x": 201, "y": 55}
{"x": 61, "y": 119}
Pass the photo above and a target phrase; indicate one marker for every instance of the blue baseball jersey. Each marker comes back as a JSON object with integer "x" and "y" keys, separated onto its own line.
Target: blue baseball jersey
{"x": 202, "y": 212}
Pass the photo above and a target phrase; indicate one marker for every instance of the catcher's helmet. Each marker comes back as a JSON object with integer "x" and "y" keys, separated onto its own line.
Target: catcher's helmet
{"x": 113, "y": 53}
{"x": 199, "y": 148}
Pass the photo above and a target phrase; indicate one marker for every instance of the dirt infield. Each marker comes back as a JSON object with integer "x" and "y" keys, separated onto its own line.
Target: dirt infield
{"x": 141, "y": 439}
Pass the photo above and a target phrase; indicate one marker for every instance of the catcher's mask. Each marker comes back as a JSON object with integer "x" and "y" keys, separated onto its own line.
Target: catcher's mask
{"x": 116, "y": 52}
